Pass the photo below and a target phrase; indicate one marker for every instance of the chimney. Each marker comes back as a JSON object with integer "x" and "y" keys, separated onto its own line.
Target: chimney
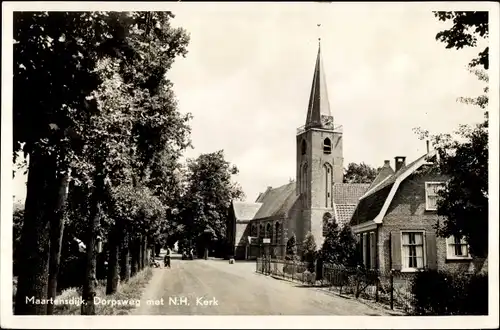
{"x": 399, "y": 162}
{"x": 387, "y": 163}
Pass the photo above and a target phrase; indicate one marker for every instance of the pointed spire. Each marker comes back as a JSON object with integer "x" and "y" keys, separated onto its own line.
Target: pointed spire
{"x": 319, "y": 106}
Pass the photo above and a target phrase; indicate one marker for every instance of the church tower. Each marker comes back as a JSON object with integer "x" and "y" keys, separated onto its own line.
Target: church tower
{"x": 319, "y": 159}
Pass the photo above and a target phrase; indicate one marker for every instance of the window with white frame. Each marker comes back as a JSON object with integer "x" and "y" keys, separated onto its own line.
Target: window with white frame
{"x": 431, "y": 194}
{"x": 457, "y": 247}
{"x": 412, "y": 250}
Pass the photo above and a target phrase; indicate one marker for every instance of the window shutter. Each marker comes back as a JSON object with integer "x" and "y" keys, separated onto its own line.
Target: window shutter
{"x": 431, "y": 250}
{"x": 396, "y": 250}
{"x": 359, "y": 247}
{"x": 365, "y": 257}
{"x": 373, "y": 254}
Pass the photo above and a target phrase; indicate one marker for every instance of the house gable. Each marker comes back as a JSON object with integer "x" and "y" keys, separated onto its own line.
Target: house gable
{"x": 374, "y": 204}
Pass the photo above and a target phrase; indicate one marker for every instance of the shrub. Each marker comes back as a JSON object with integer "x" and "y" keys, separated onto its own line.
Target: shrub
{"x": 339, "y": 246}
{"x": 442, "y": 293}
{"x": 309, "y": 253}
{"x": 291, "y": 248}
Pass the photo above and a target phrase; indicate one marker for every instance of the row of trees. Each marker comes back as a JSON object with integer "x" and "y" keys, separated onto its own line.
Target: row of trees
{"x": 104, "y": 137}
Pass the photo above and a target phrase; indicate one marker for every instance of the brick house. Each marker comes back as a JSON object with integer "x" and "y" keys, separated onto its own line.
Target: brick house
{"x": 394, "y": 221}
{"x": 316, "y": 197}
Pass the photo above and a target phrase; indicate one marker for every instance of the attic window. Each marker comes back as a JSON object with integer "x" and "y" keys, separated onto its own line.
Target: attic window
{"x": 303, "y": 147}
{"x": 327, "y": 146}
{"x": 432, "y": 195}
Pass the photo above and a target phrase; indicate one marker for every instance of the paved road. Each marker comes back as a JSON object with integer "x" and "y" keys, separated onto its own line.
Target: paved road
{"x": 214, "y": 287}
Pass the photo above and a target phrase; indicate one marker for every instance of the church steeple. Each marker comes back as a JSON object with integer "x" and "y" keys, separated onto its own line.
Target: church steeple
{"x": 318, "y": 112}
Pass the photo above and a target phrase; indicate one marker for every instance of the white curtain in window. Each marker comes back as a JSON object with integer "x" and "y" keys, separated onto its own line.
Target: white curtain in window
{"x": 419, "y": 247}
{"x": 465, "y": 250}
{"x": 457, "y": 247}
{"x": 412, "y": 250}
{"x": 431, "y": 202}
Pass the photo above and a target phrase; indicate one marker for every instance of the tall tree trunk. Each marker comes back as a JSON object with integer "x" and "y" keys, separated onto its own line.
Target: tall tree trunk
{"x": 90, "y": 283}
{"x": 135, "y": 257}
{"x": 125, "y": 258}
{"x": 145, "y": 255}
{"x": 114, "y": 252}
{"x": 56, "y": 239}
{"x": 140, "y": 251}
{"x": 35, "y": 237}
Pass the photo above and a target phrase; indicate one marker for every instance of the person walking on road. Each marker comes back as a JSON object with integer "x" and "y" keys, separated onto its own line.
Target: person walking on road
{"x": 166, "y": 259}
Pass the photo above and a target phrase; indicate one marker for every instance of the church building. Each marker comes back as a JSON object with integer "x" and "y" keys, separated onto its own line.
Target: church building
{"x": 317, "y": 196}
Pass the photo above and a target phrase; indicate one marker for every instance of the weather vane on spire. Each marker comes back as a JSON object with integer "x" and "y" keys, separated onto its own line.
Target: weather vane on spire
{"x": 319, "y": 32}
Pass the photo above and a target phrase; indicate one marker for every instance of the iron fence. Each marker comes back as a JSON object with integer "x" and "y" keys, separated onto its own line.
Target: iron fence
{"x": 392, "y": 288}
{"x": 286, "y": 269}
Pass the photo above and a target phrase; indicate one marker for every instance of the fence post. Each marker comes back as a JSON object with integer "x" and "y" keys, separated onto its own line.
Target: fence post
{"x": 392, "y": 289}
{"x": 376, "y": 288}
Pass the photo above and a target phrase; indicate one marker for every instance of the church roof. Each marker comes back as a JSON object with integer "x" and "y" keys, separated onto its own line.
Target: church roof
{"x": 348, "y": 193}
{"x": 276, "y": 201}
{"x": 344, "y": 213}
{"x": 245, "y": 210}
{"x": 346, "y": 197}
{"x": 318, "y": 100}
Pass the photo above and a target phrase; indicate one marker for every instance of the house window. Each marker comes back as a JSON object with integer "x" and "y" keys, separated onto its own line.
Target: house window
{"x": 412, "y": 250}
{"x": 431, "y": 195}
{"x": 457, "y": 248}
{"x": 327, "y": 146}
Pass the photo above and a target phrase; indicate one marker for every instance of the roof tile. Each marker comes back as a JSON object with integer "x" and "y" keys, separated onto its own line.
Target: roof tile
{"x": 348, "y": 193}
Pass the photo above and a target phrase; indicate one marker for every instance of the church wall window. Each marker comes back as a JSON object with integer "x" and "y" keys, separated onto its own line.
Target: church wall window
{"x": 327, "y": 146}
{"x": 303, "y": 179}
{"x": 269, "y": 231}
{"x": 303, "y": 147}
{"x": 327, "y": 177}
{"x": 278, "y": 233}
{"x": 253, "y": 231}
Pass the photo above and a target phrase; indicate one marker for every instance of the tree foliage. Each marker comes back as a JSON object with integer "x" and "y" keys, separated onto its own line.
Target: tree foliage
{"x": 468, "y": 27}
{"x": 208, "y": 195}
{"x": 359, "y": 173}
{"x": 339, "y": 246}
{"x": 463, "y": 157}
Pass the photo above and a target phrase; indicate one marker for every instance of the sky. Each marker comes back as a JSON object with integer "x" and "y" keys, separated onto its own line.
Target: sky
{"x": 247, "y": 77}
